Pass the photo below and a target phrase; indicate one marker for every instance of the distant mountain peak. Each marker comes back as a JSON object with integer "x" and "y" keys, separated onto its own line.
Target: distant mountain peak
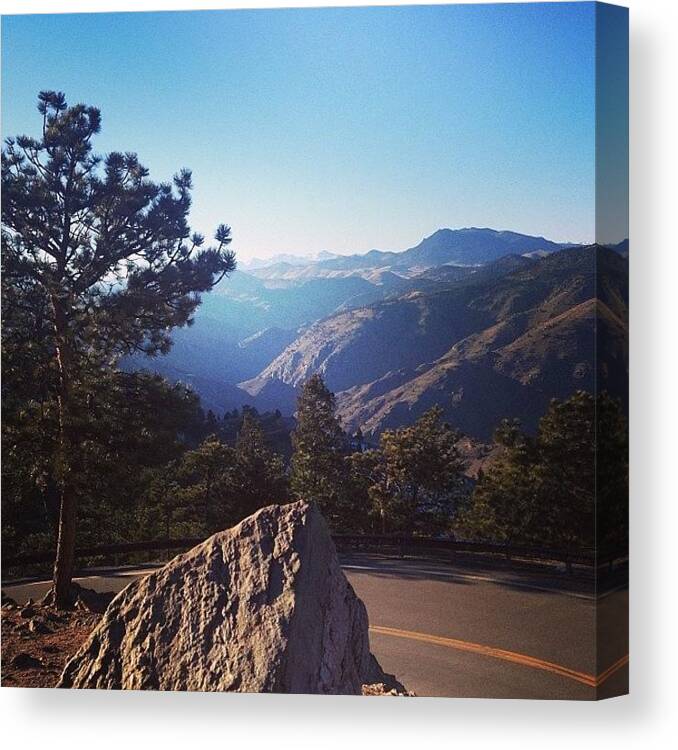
{"x": 465, "y": 247}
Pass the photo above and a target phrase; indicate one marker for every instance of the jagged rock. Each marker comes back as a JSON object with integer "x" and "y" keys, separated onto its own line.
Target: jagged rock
{"x": 7, "y": 601}
{"x": 22, "y": 660}
{"x": 82, "y": 599}
{"x": 261, "y": 607}
{"x": 379, "y": 688}
{"x": 39, "y": 627}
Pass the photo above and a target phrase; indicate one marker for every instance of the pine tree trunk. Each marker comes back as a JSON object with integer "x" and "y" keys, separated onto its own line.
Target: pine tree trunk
{"x": 64, "y": 561}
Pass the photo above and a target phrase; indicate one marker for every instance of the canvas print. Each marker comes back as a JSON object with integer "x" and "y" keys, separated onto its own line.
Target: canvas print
{"x": 315, "y": 351}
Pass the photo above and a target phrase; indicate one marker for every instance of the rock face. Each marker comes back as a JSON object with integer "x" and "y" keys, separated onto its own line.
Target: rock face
{"x": 261, "y": 607}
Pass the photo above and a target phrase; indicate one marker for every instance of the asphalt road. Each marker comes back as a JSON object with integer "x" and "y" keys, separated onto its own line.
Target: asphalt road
{"x": 448, "y": 630}
{"x": 492, "y": 633}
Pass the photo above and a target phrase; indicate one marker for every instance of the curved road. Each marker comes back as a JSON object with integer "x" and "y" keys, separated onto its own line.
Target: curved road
{"x": 449, "y": 630}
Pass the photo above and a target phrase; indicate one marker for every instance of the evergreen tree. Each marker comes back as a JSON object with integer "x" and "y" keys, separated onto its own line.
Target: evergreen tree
{"x": 422, "y": 473}
{"x": 102, "y": 260}
{"x": 411, "y": 483}
{"x": 567, "y": 487}
{"x": 135, "y": 424}
{"x": 612, "y": 476}
{"x": 158, "y": 514}
{"x": 206, "y": 501}
{"x": 259, "y": 474}
{"x": 373, "y": 510}
{"x": 505, "y": 504}
{"x": 318, "y": 467}
{"x": 212, "y": 425}
{"x": 565, "y": 472}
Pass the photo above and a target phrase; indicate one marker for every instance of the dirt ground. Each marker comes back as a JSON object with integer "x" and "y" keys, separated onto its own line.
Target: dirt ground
{"x": 38, "y": 640}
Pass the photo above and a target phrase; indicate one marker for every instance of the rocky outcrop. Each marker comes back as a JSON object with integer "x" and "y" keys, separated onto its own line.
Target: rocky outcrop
{"x": 261, "y": 607}
{"x": 81, "y": 599}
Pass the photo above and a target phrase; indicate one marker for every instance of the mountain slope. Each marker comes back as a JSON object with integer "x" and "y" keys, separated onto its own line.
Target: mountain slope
{"x": 360, "y": 345}
{"x": 517, "y": 380}
{"x": 244, "y": 305}
{"x": 499, "y": 342}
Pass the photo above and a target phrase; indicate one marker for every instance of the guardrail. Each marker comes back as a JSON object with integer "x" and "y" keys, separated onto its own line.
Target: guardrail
{"x": 402, "y": 546}
{"x": 407, "y": 545}
{"x": 161, "y": 545}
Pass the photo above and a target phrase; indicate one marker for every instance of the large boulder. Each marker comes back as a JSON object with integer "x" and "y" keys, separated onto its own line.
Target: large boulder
{"x": 261, "y": 607}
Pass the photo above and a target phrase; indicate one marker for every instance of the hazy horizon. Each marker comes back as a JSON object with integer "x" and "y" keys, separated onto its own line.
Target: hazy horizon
{"x": 336, "y": 129}
{"x": 312, "y": 254}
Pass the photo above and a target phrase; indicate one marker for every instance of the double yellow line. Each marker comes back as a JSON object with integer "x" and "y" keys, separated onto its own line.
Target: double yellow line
{"x": 511, "y": 656}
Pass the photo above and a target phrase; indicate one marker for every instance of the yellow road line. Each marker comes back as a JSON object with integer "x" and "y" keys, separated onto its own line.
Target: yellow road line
{"x": 500, "y": 653}
{"x": 612, "y": 669}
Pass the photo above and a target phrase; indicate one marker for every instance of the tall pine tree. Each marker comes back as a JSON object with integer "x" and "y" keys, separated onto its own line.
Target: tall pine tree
{"x": 206, "y": 498}
{"x": 567, "y": 487}
{"x": 105, "y": 259}
{"x": 415, "y": 476}
{"x": 259, "y": 475}
{"x": 319, "y": 468}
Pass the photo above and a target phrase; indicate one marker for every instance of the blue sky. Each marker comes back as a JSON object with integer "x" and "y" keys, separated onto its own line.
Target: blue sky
{"x": 338, "y": 129}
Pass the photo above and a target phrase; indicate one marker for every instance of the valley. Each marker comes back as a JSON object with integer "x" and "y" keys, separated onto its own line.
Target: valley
{"x": 486, "y": 324}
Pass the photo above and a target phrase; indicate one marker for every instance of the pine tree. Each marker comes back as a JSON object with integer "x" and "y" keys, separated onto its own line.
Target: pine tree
{"x": 373, "y": 504}
{"x": 422, "y": 473}
{"x": 105, "y": 258}
{"x": 567, "y": 487}
{"x": 318, "y": 467}
{"x": 565, "y": 473}
{"x": 211, "y": 423}
{"x": 206, "y": 498}
{"x": 505, "y": 503}
{"x": 612, "y": 477}
{"x": 259, "y": 474}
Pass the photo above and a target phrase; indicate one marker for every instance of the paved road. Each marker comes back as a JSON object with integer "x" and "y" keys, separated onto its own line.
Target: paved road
{"x": 490, "y": 634}
{"x": 471, "y": 632}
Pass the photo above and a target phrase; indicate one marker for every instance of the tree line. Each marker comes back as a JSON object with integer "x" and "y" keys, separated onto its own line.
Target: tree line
{"x": 155, "y": 467}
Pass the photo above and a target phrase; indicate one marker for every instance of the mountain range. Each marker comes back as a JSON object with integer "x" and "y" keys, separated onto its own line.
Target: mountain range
{"x": 487, "y": 324}
{"x": 463, "y": 247}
